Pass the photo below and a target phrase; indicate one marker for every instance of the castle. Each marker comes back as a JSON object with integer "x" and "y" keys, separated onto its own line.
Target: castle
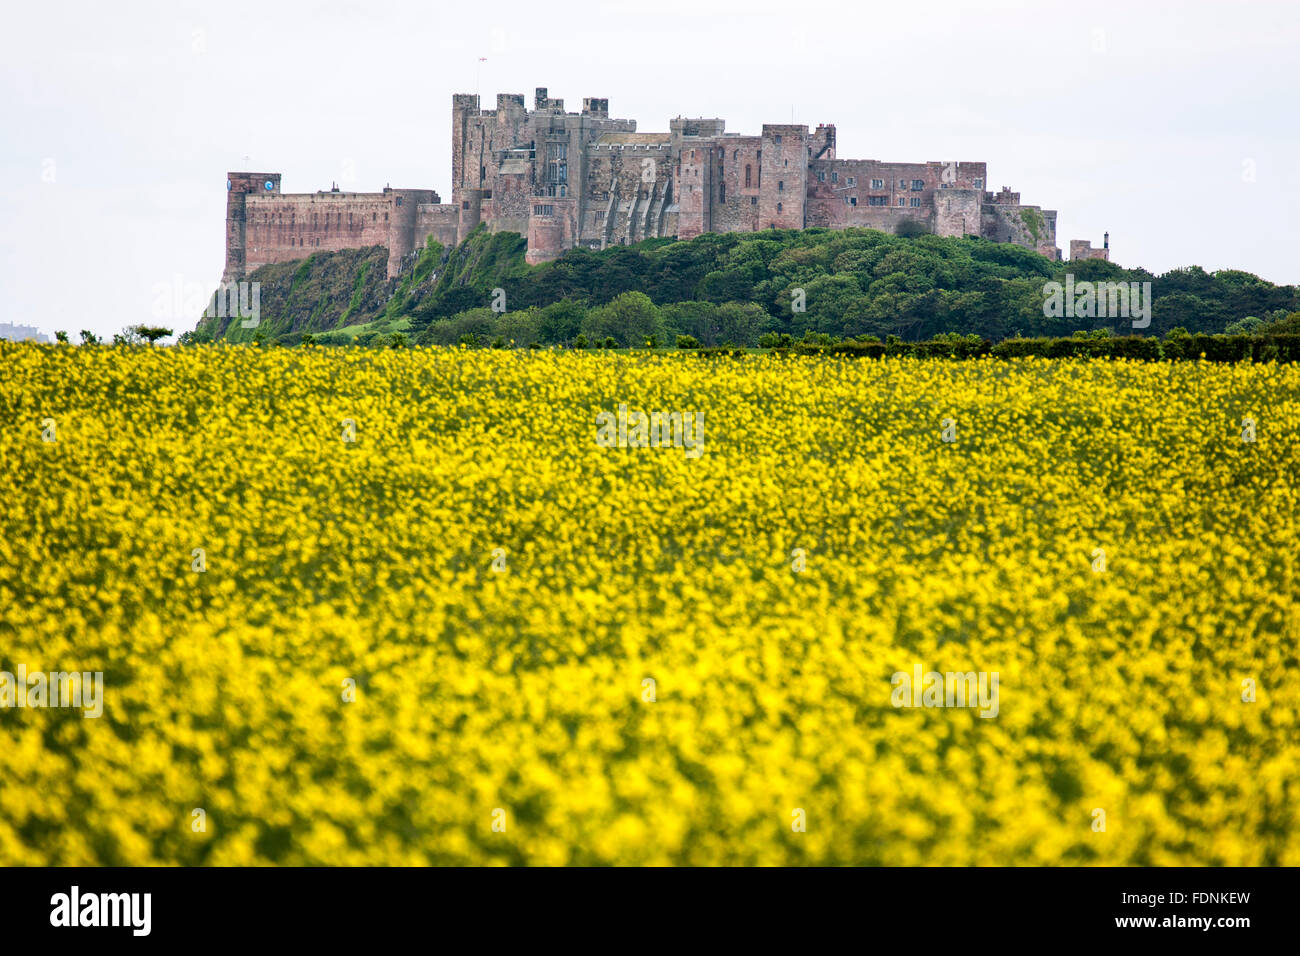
{"x": 583, "y": 179}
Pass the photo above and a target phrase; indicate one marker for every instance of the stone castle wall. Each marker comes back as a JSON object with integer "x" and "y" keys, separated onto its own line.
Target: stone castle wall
{"x": 564, "y": 179}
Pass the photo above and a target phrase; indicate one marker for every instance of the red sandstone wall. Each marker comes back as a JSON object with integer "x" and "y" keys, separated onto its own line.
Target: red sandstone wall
{"x": 784, "y": 191}
{"x": 439, "y": 220}
{"x": 282, "y": 228}
{"x": 735, "y": 205}
{"x": 550, "y": 233}
{"x": 694, "y": 184}
{"x": 1082, "y": 249}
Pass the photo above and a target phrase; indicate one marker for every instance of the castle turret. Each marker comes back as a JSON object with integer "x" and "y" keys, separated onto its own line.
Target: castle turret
{"x": 238, "y": 186}
{"x": 403, "y": 206}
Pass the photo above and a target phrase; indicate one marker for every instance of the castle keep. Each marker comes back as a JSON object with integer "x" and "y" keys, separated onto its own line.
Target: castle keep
{"x": 565, "y": 179}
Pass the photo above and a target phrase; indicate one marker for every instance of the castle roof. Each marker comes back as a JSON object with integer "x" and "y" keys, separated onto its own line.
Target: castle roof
{"x": 632, "y": 139}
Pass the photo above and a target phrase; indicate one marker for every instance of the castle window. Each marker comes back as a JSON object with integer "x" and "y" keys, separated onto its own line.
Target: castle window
{"x": 851, "y": 200}
{"x": 777, "y": 138}
{"x": 916, "y": 200}
{"x": 722, "y": 192}
{"x": 902, "y": 184}
{"x": 735, "y": 154}
{"x": 753, "y": 200}
{"x": 877, "y": 200}
{"x": 918, "y": 185}
{"x": 877, "y": 184}
{"x": 902, "y": 201}
{"x": 835, "y": 177}
{"x": 778, "y": 207}
{"x": 464, "y": 205}
{"x": 399, "y": 200}
{"x": 852, "y": 181}
{"x": 978, "y": 183}
{"x": 780, "y": 186}
{"x": 821, "y": 176}
{"x": 748, "y": 169}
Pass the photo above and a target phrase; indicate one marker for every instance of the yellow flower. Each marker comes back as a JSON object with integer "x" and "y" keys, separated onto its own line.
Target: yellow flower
{"x": 475, "y": 635}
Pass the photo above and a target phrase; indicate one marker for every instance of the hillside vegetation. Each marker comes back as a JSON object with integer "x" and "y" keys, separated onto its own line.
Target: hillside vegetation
{"x": 727, "y": 289}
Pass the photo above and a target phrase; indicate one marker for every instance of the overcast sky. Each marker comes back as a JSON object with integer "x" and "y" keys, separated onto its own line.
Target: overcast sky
{"x": 1170, "y": 124}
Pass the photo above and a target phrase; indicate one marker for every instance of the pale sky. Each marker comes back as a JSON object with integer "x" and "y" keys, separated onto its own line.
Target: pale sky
{"x": 1170, "y": 124}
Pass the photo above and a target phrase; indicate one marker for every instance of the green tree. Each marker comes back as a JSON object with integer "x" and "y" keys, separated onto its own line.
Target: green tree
{"x": 560, "y": 321}
{"x": 522, "y": 327}
{"x": 151, "y": 333}
{"x": 629, "y": 319}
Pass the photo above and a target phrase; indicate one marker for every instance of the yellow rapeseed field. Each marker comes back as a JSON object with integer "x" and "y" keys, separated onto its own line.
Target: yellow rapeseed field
{"x": 477, "y": 635}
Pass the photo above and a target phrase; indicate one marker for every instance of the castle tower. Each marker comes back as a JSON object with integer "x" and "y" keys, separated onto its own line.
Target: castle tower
{"x": 403, "y": 206}
{"x": 238, "y": 186}
{"x": 784, "y": 177}
{"x": 464, "y": 106}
